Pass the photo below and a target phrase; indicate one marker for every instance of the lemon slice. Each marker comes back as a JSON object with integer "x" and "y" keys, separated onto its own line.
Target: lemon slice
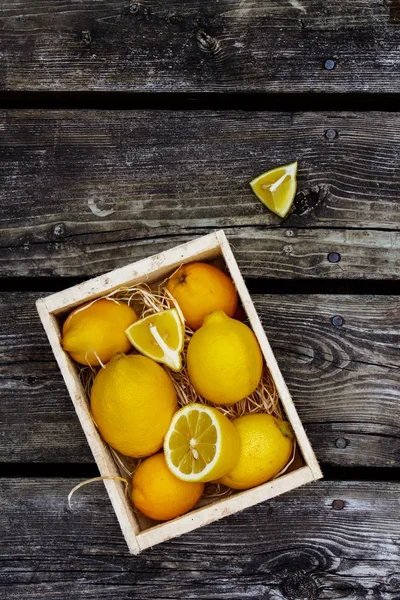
{"x": 160, "y": 337}
{"x": 277, "y": 188}
{"x": 201, "y": 443}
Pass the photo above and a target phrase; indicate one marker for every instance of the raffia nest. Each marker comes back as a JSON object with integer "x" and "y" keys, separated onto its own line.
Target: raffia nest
{"x": 146, "y": 301}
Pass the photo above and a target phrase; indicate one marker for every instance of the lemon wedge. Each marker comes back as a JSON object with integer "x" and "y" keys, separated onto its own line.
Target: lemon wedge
{"x": 160, "y": 337}
{"x": 277, "y": 188}
{"x": 200, "y": 444}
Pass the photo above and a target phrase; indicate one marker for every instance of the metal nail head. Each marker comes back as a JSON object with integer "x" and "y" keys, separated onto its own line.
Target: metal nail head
{"x": 338, "y": 504}
{"x": 334, "y": 257}
{"x": 329, "y": 64}
{"x": 331, "y": 134}
{"x": 337, "y": 320}
{"x": 341, "y": 443}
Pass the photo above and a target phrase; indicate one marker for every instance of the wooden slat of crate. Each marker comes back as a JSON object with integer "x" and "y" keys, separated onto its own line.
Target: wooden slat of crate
{"x": 197, "y": 46}
{"x": 291, "y": 544}
{"x": 345, "y": 379}
{"x": 84, "y": 192}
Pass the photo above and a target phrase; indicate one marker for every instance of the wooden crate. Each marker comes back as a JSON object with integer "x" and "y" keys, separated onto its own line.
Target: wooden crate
{"x": 53, "y": 309}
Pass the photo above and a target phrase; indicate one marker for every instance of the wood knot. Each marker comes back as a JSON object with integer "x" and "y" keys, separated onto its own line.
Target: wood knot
{"x": 299, "y": 585}
{"x": 309, "y": 199}
{"x": 394, "y": 8}
{"x": 173, "y": 18}
{"x": 137, "y": 8}
{"x": 86, "y": 38}
{"x": 393, "y": 581}
{"x": 207, "y": 43}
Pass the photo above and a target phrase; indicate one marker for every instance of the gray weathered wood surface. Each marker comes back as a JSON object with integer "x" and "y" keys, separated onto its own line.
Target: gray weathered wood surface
{"x": 291, "y": 547}
{"x": 197, "y": 46}
{"x": 86, "y": 191}
{"x": 345, "y": 379}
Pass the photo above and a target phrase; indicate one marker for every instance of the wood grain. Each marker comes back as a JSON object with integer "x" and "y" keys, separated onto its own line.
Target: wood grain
{"x": 345, "y": 380}
{"x": 197, "y": 46}
{"x": 293, "y": 546}
{"x": 84, "y": 192}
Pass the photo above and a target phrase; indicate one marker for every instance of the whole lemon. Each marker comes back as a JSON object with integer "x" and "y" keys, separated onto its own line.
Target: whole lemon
{"x": 158, "y": 494}
{"x": 224, "y": 359}
{"x": 266, "y": 444}
{"x": 97, "y": 329}
{"x": 132, "y": 403}
{"x": 200, "y": 289}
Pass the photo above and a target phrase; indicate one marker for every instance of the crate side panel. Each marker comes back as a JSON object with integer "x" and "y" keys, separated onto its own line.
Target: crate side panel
{"x": 101, "y": 453}
{"x": 147, "y": 270}
{"x": 284, "y": 394}
{"x": 223, "y": 508}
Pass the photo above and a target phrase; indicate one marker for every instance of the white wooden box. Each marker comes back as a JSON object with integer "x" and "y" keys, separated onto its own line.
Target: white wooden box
{"x": 53, "y": 309}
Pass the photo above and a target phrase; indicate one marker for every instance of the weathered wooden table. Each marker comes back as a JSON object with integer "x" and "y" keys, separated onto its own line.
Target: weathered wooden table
{"x": 127, "y": 127}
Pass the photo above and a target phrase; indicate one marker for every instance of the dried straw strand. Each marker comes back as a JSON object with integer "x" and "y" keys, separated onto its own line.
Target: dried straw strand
{"x": 72, "y": 492}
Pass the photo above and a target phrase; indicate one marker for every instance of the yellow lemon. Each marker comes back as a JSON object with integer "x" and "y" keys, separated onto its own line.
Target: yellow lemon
{"x": 201, "y": 444}
{"x": 266, "y": 445}
{"x": 224, "y": 360}
{"x": 277, "y": 188}
{"x": 132, "y": 403}
{"x": 160, "y": 337}
{"x": 158, "y": 494}
{"x": 200, "y": 289}
{"x": 96, "y": 330}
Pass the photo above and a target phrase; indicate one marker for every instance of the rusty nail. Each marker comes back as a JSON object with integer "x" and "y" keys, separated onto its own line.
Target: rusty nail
{"x": 338, "y": 504}
{"x": 341, "y": 443}
{"x": 329, "y": 64}
{"x": 334, "y": 257}
{"x": 331, "y": 134}
{"x": 337, "y": 320}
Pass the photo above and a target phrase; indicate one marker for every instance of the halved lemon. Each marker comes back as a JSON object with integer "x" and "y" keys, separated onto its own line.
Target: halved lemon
{"x": 160, "y": 337}
{"x": 201, "y": 443}
{"x": 277, "y": 188}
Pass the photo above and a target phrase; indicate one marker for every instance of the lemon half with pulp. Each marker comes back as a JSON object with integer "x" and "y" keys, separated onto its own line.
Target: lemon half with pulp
{"x": 201, "y": 444}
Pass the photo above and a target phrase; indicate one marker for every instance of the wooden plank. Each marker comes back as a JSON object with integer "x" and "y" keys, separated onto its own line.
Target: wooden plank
{"x": 345, "y": 380}
{"x": 260, "y": 252}
{"x": 293, "y": 546}
{"x": 197, "y": 46}
{"x": 84, "y": 192}
{"x": 340, "y": 356}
